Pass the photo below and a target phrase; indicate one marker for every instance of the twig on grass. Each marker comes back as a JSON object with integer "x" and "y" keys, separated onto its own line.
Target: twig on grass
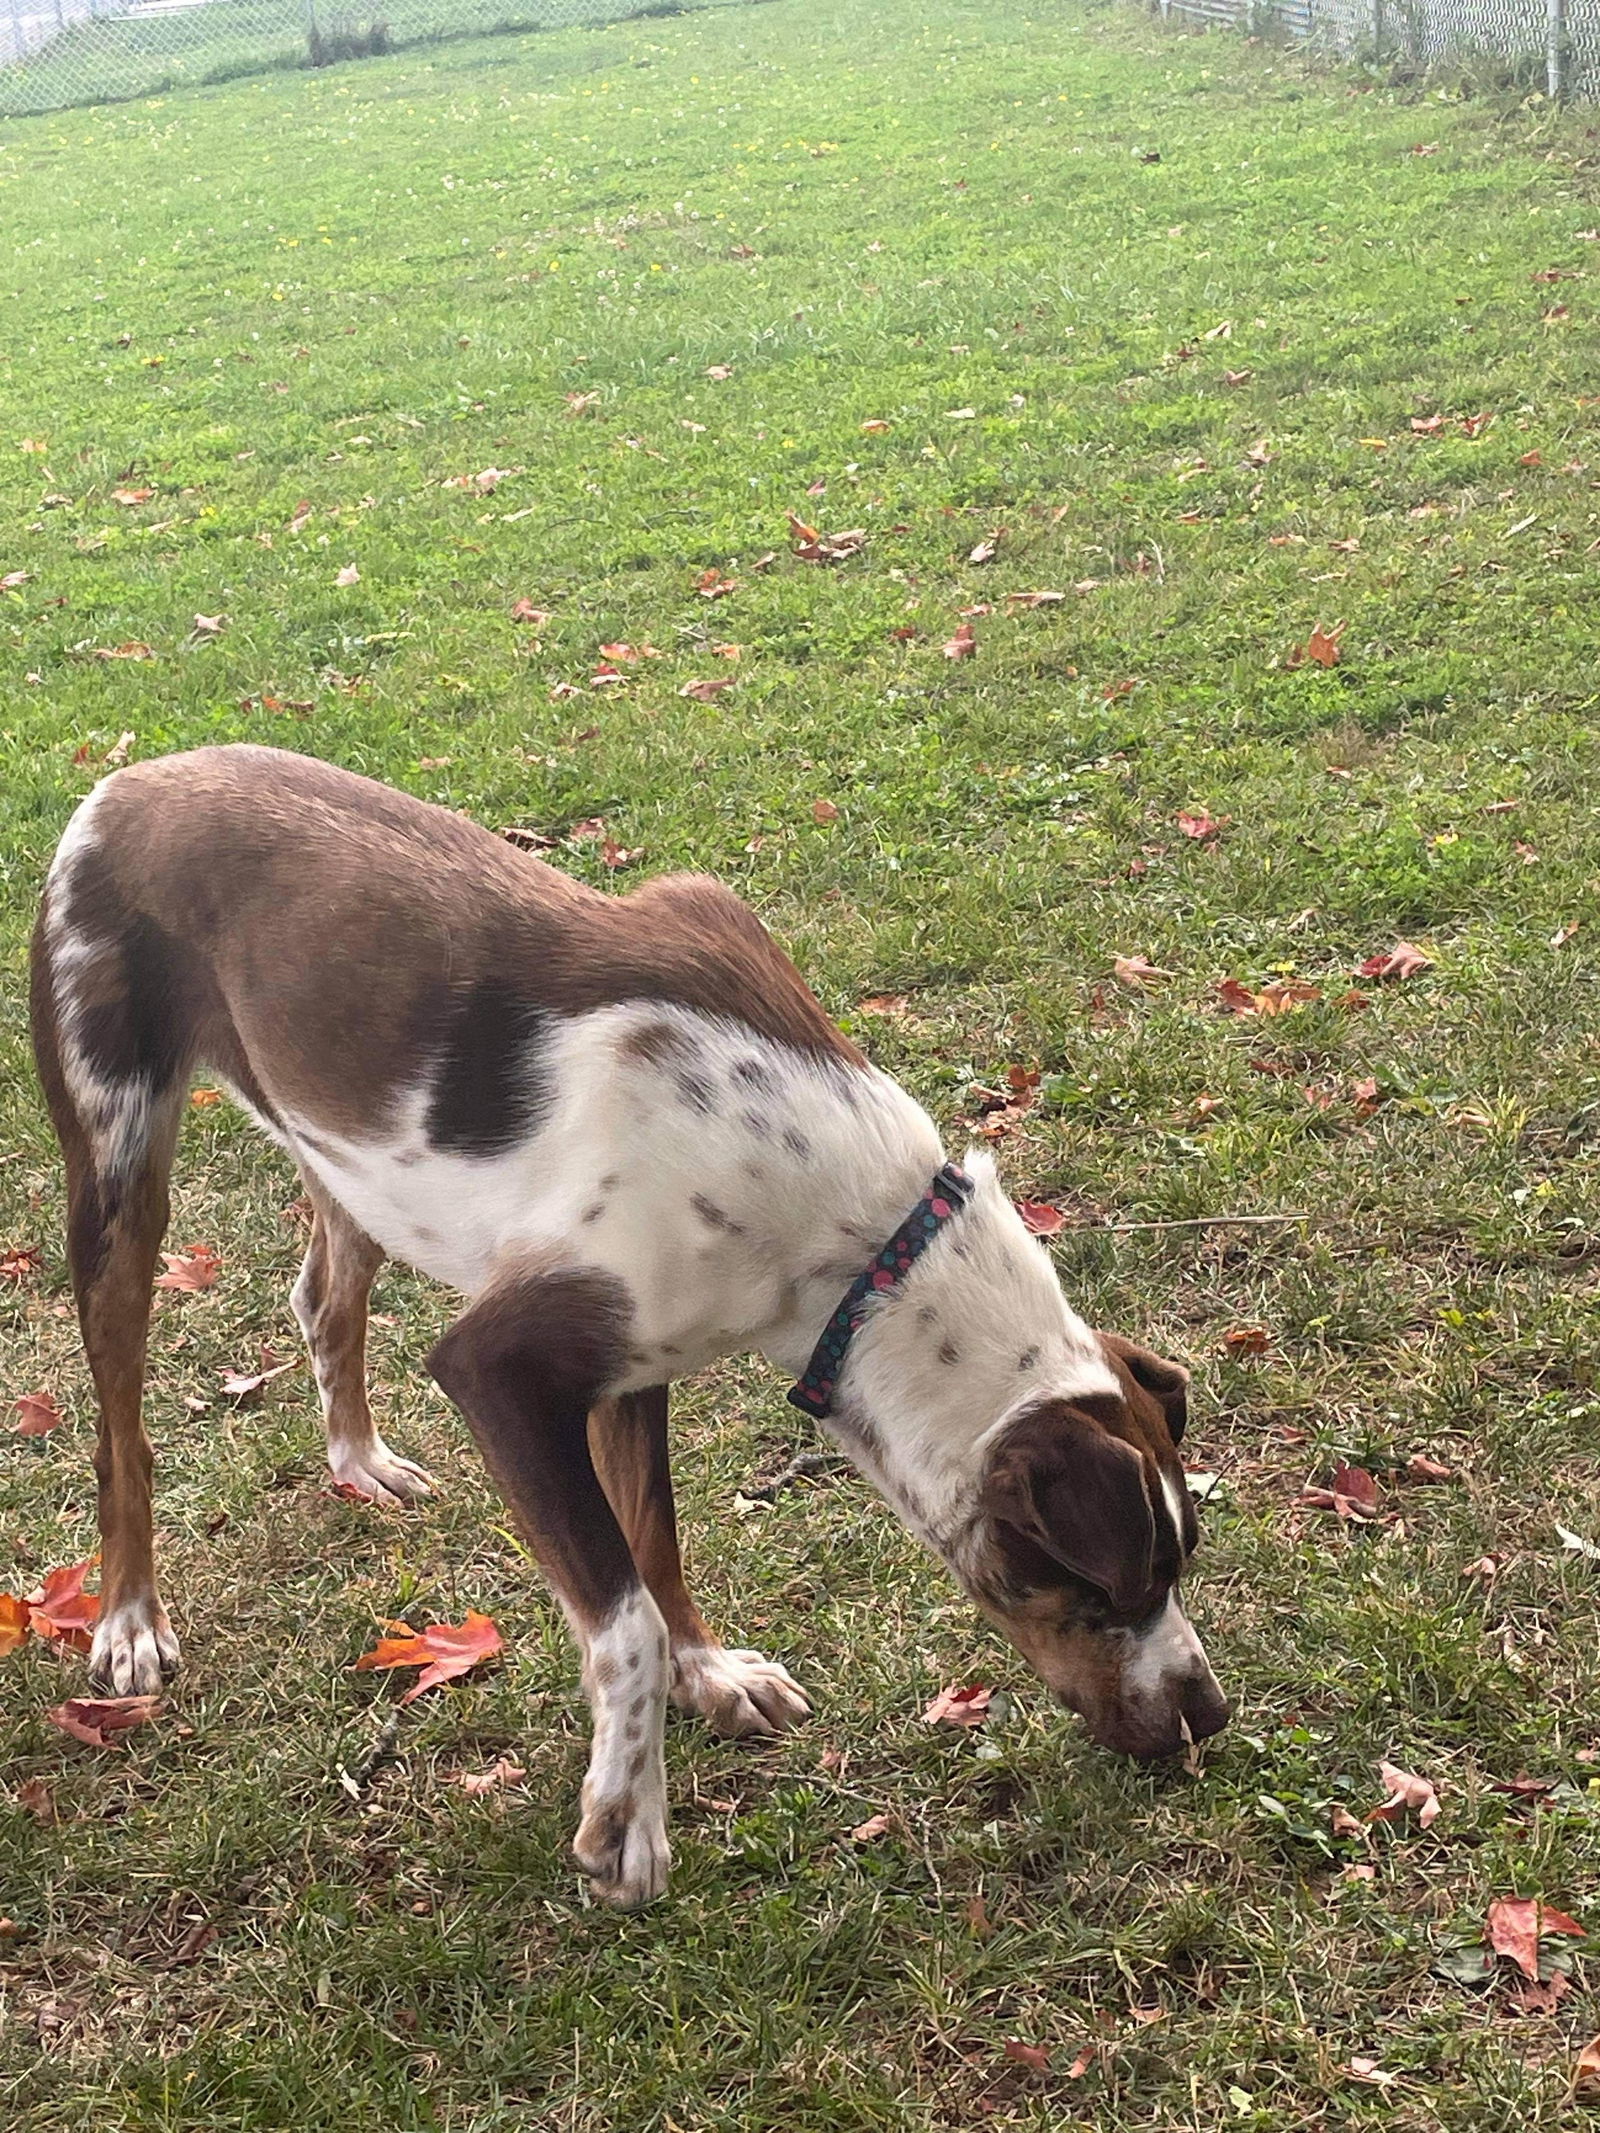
{"x": 800, "y": 1465}
{"x": 355, "y": 1782}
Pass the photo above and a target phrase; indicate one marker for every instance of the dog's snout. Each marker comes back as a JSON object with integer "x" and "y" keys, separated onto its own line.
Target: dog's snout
{"x": 1205, "y": 1709}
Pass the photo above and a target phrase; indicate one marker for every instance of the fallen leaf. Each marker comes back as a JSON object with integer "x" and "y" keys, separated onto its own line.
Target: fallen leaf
{"x": 615, "y": 855}
{"x": 34, "y": 1797}
{"x": 1524, "y": 1788}
{"x": 814, "y": 547}
{"x": 204, "y": 1099}
{"x": 874, "y": 1826}
{"x": 1545, "y": 1997}
{"x": 719, "y": 371}
{"x": 1352, "y": 1494}
{"x": 526, "y": 611}
{"x": 963, "y": 644}
{"x": 210, "y": 625}
{"x": 1138, "y": 970}
{"x": 1039, "y": 1218}
{"x": 1344, "y": 1824}
{"x": 61, "y": 1610}
{"x": 1081, "y": 2065}
{"x": 1369, "y": 2071}
{"x": 350, "y": 575}
{"x": 117, "y": 753}
{"x": 303, "y": 512}
{"x": 443, "y": 1650}
{"x": 1420, "y": 1467}
{"x": 1586, "y": 2073}
{"x": 100, "y": 1722}
{"x": 958, "y": 1707}
{"x": 197, "y": 1268}
{"x": 1030, "y": 2055}
{"x": 1516, "y": 1924}
{"x": 979, "y": 1924}
{"x": 986, "y": 551}
{"x": 1281, "y": 996}
{"x": 1035, "y": 599}
{"x": 1485, "y": 1570}
{"x": 578, "y": 404}
{"x": 134, "y": 648}
{"x": 501, "y": 1773}
{"x": 712, "y": 585}
{"x": 20, "y": 1263}
{"x": 132, "y": 496}
{"x": 1247, "y": 1340}
{"x": 707, "y": 692}
{"x": 1563, "y": 934}
{"x": 628, "y": 655}
{"x": 824, "y": 811}
{"x": 1425, "y": 148}
{"x": 13, "y": 1623}
{"x": 1201, "y": 826}
{"x": 14, "y": 580}
{"x": 240, "y": 1384}
{"x": 1321, "y": 648}
{"x": 39, "y": 1413}
{"x": 1408, "y": 1793}
{"x": 882, "y": 1003}
{"x": 1403, "y": 960}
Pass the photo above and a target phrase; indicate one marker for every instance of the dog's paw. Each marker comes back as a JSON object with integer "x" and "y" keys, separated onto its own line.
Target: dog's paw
{"x": 133, "y": 1651}
{"x": 622, "y": 1846}
{"x": 379, "y": 1473}
{"x": 737, "y": 1693}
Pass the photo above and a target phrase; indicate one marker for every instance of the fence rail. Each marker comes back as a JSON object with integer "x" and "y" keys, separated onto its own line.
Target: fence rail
{"x": 1552, "y": 46}
{"x": 56, "y": 53}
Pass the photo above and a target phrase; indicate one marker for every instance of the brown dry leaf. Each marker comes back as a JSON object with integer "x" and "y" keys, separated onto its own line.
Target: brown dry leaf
{"x": 240, "y": 1384}
{"x": 814, "y": 547}
{"x": 20, "y": 1263}
{"x": 882, "y": 1003}
{"x": 132, "y": 496}
{"x": 1202, "y": 826}
{"x": 1081, "y": 2065}
{"x": 350, "y": 575}
{"x": 1486, "y": 1569}
{"x": 824, "y": 811}
{"x": 197, "y": 1268}
{"x": 1408, "y": 1793}
{"x": 1321, "y": 648}
{"x": 60, "y": 1609}
{"x": 527, "y": 611}
{"x": 1403, "y": 960}
{"x": 578, "y": 404}
{"x": 443, "y": 1650}
{"x": 1029, "y": 2055}
{"x": 1516, "y": 1924}
{"x": 719, "y": 371}
{"x": 987, "y": 550}
{"x": 39, "y": 1413}
{"x": 707, "y": 692}
{"x": 303, "y": 512}
{"x": 1543, "y": 1997}
{"x": 1586, "y": 2073}
{"x": 210, "y": 625}
{"x": 616, "y": 855}
{"x": 712, "y": 585}
{"x": 628, "y": 655}
{"x": 874, "y": 1826}
{"x": 1369, "y": 2071}
{"x": 14, "y": 580}
{"x": 1421, "y": 1468}
{"x": 874, "y": 426}
{"x": 501, "y": 1773}
{"x": 34, "y": 1797}
{"x": 1138, "y": 970}
{"x": 1039, "y": 1218}
{"x": 1352, "y": 1494}
{"x": 133, "y": 648}
{"x": 1281, "y": 996}
{"x": 101, "y": 1722}
{"x": 204, "y": 1099}
{"x": 1344, "y": 1824}
{"x": 1563, "y": 934}
{"x": 979, "y": 1924}
{"x": 958, "y": 1707}
{"x": 1247, "y": 1340}
{"x": 963, "y": 644}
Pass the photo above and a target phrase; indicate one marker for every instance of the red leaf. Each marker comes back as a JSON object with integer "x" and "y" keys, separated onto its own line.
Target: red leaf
{"x": 1039, "y": 1218}
{"x": 61, "y": 1608}
{"x": 20, "y": 1263}
{"x": 197, "y": 1268}
{"x": 99, "y": 1722}
{"x": 1403, "y": 960}
{"x": 39, "y": 1413}
{"x": 824, "y": 811}
{"x": 958, "y": 1707}
{"x": 1202, "y": 826}
{"x": 1031, "y": 2055}
{"x": 1357, "y": 1485}
{"x": 443, "y": 1650}
{"x": 1247, "y": 1340}
{"x": 1515, "y": 1924}
{"x": 963, "y": 644}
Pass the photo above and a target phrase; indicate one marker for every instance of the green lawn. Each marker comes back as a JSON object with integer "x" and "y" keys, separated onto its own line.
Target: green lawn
{"x": 960, "y": 302}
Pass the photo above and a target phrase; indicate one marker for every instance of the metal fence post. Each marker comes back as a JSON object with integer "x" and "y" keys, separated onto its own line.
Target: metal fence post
{"x": 1555, "y": 48}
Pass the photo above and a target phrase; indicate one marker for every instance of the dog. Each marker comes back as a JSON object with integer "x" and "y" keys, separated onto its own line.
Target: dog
{"x": 627, "y": 1132}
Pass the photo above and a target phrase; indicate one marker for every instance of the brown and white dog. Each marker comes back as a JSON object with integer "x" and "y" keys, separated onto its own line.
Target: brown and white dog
{"x": 625, "y": 1129}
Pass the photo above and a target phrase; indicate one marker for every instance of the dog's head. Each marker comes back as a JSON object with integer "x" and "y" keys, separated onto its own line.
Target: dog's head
{"x": 1085, "y": 1526}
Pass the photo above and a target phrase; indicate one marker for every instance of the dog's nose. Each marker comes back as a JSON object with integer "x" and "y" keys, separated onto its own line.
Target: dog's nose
{"x": 1205, "y": 1708}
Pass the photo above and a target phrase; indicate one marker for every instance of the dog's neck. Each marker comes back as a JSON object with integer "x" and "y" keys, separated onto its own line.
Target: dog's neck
{"x": 975, "y": 1331}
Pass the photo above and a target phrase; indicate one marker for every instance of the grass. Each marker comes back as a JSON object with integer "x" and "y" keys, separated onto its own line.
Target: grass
{"x": 295, "y": 309}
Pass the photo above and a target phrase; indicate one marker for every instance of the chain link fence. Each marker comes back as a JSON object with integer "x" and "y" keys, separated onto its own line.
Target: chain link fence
{"x": 1552, "y": 46}
{"x": 55, "y": 53}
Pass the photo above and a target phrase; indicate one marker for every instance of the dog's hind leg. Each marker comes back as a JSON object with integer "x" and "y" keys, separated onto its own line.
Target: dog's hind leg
{"x": 330, "y": 1302}
{"x": 735, "y": 1692}
{"x": 112, "y": 1055}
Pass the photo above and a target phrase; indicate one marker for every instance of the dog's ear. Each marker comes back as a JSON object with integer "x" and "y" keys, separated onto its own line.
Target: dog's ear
{"x": 1167, "y": 1382}
{"x": 1061, "y": 1478}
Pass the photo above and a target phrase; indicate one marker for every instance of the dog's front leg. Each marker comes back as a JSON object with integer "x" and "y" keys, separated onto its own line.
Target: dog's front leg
{"x": 524, "y": 1365}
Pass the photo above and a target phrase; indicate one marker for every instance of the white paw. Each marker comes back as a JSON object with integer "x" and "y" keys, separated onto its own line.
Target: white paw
{"x": 133, "y": 1651}
{"x": 622, "y": 1846}
{"x": 379, "y": 1473}
{"x": 737, "y": 1693}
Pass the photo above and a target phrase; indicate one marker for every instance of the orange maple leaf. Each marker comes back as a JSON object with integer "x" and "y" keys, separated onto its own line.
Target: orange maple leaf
{"x": 443, "y": 1650}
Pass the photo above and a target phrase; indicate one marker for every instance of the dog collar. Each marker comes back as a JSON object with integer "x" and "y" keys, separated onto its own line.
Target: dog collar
{"x": 946, "y": 1196}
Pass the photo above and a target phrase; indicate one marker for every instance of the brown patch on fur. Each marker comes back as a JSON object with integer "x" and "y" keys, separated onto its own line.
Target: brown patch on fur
{"x": 305, "y": 898}
{"x": 949, "y": 1352}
